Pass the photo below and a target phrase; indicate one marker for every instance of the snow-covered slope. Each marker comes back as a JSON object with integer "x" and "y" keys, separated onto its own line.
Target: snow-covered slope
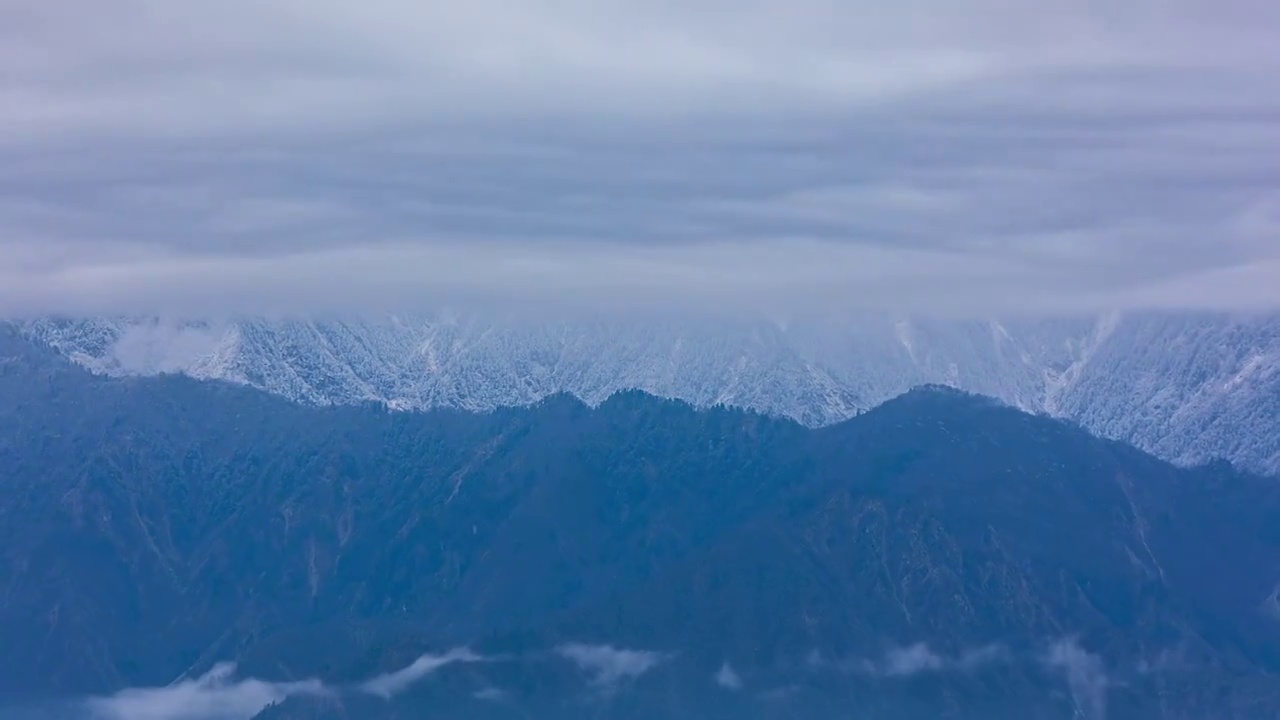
{"x": 1188, "y": 387}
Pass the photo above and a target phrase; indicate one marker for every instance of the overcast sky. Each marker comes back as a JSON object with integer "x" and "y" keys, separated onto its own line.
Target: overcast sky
{"x": 211, "y": 156}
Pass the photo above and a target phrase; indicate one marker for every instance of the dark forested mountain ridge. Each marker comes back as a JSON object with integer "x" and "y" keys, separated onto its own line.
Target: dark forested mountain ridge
{"x": 941, "y": 555}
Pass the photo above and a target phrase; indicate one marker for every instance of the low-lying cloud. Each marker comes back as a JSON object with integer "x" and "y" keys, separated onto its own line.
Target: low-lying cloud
{"x": 220, "y": 695}
{"x": 727, "y": 678}
{"x": 490, "y": 694}
{"x": 608, "y": 666}
{"x": 391, "y": 684}
{"x": 216, "y": 695}
{"x": 1085, "y": 674}
{"x": 910, "y": 660}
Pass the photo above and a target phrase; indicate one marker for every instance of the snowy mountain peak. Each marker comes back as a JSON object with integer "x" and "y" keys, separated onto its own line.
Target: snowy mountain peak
{"x": 1188, "y": 387}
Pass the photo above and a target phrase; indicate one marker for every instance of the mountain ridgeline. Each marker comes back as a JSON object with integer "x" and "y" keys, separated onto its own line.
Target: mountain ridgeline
{"x": 942, "y": 555}
{"x": 1187, "y": 387}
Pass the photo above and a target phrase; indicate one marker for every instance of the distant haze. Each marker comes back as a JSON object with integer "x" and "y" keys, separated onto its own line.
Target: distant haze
{"x": 280, "y": 156}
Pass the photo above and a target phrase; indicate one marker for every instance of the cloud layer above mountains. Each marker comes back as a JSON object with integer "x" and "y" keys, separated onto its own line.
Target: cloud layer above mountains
{"x": 280, "y": 156}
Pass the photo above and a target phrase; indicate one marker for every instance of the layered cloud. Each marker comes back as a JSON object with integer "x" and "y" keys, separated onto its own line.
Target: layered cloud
{"x": 282, "y": 156}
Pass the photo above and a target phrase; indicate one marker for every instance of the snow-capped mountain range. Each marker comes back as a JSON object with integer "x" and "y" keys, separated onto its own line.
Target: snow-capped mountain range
{"x": 1188, "y": 387}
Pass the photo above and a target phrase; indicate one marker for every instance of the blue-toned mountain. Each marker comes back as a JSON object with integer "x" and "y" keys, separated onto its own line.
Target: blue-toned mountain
{"x": 942, "y": 555}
